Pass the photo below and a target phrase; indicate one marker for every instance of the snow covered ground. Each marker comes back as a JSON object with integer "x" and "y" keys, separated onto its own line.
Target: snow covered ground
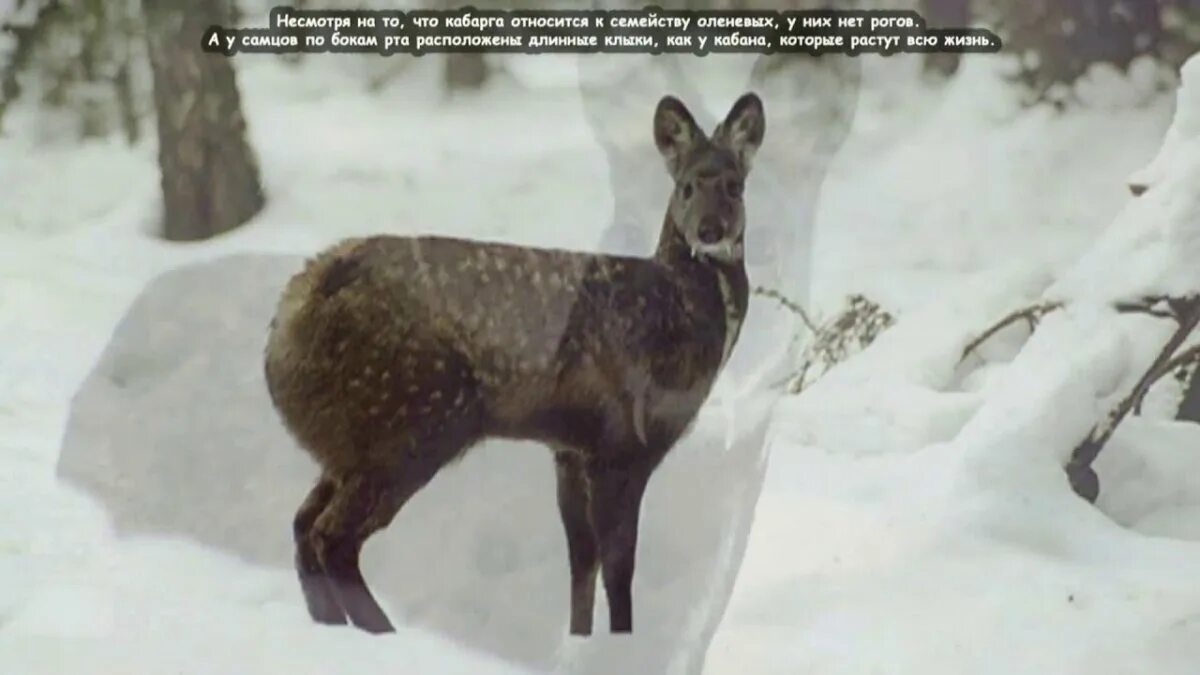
{"x": 906, "y": 514}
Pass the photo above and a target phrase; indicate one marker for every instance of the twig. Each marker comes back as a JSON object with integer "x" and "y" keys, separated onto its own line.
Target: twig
{"x": 782, "y": 382}
{"x": 1030, "y": 314}
{"x": 1035, "y": 313}
{"x": 1146, "y": 306}
{"x": 1177, "y": 309}
{"x": 1184, "y": 358}
{"x": 788, "y": 304}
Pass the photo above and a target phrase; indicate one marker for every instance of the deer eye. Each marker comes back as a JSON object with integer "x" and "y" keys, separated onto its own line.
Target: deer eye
{"x": 734, "y": 188}
{"x": 687, "y": 190}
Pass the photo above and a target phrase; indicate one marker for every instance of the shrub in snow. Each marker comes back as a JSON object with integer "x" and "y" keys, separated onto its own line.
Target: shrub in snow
{"x": 851, "y": 331}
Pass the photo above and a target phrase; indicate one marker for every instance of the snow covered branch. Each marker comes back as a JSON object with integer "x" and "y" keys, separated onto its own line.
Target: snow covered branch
{"x": 1079, "y": 470}
{"x": 1032, "y": 315}
{"x": 1184, "y": 310}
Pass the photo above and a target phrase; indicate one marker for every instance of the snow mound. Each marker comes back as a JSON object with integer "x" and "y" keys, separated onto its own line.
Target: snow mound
{"x": 1155, "y": 235}
{"x": 1184, "y": 131}
{"x": 955, "y": 542}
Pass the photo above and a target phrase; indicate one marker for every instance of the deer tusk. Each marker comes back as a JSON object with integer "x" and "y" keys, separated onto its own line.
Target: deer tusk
{"x": 639, "y": 415}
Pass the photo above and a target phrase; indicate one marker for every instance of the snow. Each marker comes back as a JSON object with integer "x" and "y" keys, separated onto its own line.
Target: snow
{"x": 905, "y": 514}
{"x": 915, "y": 517}
{"x": 966, "y": 181}
{"x": 1159, "y": 228}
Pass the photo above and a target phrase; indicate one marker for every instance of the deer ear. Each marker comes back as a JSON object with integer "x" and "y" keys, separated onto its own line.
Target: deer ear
{"x": 743, "y": 129}
{"x": 675, "y": 132}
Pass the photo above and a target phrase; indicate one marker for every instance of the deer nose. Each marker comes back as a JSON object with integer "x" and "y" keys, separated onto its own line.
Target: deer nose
{"x": 710, "y": 230}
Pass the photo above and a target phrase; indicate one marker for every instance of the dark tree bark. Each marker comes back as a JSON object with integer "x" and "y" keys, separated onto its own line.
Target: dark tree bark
{"x": 1189, "y": 407}
{"x": 1059, "y": 40}
{"x": 465, "y": 71}
{"x": 125, "y": 103}
{"x": 25, "y": 41}
{"x": 210, "y": 175}
{"x": 944, "y": 14}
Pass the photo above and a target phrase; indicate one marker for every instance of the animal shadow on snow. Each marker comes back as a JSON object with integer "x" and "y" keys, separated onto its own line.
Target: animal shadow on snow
{"x": 174, "y": 433}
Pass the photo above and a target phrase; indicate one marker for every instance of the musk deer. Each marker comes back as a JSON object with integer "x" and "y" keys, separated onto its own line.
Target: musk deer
{"x": 389, "y": 357}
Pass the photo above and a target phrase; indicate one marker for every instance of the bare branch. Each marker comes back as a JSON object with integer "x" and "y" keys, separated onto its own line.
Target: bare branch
{"x": 1140, "y": 308}
{"x": 1149, "y": 305}
{"x": 788, "y": 304}
{"x": 1187, "y": 357}
{"x": 1032, "y": 315}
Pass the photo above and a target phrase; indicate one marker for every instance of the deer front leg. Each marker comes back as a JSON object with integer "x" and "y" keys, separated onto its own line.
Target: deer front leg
{"x": 616, "y": 500}
{"x": 581, "y": 539}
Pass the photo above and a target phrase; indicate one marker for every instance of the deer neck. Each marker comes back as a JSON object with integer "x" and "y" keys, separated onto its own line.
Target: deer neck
{"x": 724, "y": 281}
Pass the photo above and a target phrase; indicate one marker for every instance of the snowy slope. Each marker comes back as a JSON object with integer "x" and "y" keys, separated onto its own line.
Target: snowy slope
{"x": 1156, "y": 232}
{"x": 916, "y": 518}
{"x": 147, "y": 489}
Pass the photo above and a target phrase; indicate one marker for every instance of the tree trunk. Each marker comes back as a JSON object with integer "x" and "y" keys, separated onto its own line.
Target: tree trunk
{"x": 1189, "y": 407}
{"x": 210, "y": 175}
{"x": 944, "y": 14}
{"x": 465, "y": 71}
{"x": 468, "y": 70}
{"x": 25, "y": 39}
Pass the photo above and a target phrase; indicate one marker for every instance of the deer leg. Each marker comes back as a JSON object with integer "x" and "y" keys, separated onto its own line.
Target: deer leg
{"x": 616, "y": 499}
{"x": 322, "y": 602}
{"x": 362, "y": 505}
{"x": 581, "y": 539}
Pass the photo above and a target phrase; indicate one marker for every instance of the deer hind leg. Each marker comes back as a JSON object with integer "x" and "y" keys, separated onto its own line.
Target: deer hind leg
{"x": 319, "y": 595}
{"x": 616, "y": 500}
{"x": 362, "y": 504}
{"x": 581, "y": 539}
